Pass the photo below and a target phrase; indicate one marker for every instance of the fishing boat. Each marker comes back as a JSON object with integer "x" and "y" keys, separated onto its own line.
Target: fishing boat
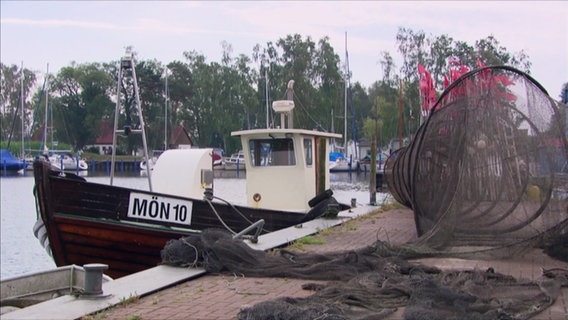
{"x": 287, "y": 184}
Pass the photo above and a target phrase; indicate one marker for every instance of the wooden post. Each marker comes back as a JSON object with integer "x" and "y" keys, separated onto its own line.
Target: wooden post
{"x": 373, "y": 180}
{"x": 321, "y": 145}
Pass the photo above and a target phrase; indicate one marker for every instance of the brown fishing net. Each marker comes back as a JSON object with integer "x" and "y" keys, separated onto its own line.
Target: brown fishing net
{"x": 486, "y": 176}
{"x": 488, "y": 167}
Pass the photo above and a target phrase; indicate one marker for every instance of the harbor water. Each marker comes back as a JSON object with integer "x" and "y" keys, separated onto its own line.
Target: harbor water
{"x": 21, "y": 252}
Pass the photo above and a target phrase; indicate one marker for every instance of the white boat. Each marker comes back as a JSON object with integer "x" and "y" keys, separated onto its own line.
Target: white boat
{"x": 339, "y": 163}
{"x": 235, "y": 162}
{"x": 155, "y": 155}
{"x": 365, "y": 163}
{"x": 53, "y": 160}
{"x": 68, "y": 162}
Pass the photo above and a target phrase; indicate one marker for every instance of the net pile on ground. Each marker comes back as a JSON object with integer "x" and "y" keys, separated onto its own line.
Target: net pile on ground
{"x": 488, "y": 167}
{"x": 369, "y": 283}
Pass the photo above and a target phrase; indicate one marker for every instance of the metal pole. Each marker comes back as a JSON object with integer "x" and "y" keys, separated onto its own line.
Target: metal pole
{"x": 22, "y": 114}
{"x": 116, "y": 113}
{"x": 142, "y": 126}
{"x": 266, "y": 97}
{"x": 46, "y": 104}
{"x": 166, "y": 113}
{"x": 345, "y": 104}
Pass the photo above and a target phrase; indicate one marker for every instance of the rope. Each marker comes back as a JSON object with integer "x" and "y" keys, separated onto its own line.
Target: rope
{"x": 219, "y": 217}
{"x": 237, "y": 211}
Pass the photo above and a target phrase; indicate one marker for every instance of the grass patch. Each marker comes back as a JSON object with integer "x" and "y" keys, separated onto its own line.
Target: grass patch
{"x": 307, "y": 240}
{"x": 129, "y": 300}
{"x": 97, "y": 316}
{"x": 312, "y": 240}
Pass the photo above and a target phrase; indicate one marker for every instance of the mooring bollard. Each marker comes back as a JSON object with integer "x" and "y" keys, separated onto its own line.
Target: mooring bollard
{"x": 94, "y": 278}
{"x": 353, "y": 203}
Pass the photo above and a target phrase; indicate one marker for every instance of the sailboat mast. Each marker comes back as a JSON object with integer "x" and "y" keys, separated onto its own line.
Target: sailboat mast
{"x": 166, "y": 112}
{"x": 345, "y": 104}
{"x": 46, "y": 109}
{"x": 22, "y": 153}
{"x": 266, "y": 97}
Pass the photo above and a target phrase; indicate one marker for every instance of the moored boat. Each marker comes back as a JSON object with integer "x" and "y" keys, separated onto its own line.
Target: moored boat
{"x": 68, "y": 162}
{"x": 9, "y": 163}
{"x": 235, "y": 162}
{"x": 287, "y": 184}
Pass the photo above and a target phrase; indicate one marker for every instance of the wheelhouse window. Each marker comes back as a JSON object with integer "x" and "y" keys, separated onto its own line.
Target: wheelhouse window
{"x": 308, "y": 151}
{"x": 272, "y": 152}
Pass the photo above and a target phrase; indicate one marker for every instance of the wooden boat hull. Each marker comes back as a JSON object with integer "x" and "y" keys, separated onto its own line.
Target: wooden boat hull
{"x": 90, "y": 223}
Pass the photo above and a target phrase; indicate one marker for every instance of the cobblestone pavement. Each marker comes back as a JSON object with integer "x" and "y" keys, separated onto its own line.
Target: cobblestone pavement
{"x": 221, "y": 296}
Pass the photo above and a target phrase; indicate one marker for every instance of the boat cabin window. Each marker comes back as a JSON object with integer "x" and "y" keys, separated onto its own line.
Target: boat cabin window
{"x": 272, "y": 152}
{"x": 308, "y": 151}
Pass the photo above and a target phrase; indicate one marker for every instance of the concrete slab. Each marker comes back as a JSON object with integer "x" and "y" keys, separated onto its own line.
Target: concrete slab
{"x": 287, "y": 235}
{"x": 114, "y": 292}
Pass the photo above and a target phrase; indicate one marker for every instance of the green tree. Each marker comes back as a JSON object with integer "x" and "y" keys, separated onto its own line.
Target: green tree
{"x": 80, "y": 98}
{"x": 151, "y": 82}
{"x": 181, "y": 89}
{"x": 11, "y": 101}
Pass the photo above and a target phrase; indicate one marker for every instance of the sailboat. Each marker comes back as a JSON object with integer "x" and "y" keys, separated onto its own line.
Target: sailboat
{"x": 344, "y": 161}
{"x": 8, "y": 162}
{"x": 44, "y": 152}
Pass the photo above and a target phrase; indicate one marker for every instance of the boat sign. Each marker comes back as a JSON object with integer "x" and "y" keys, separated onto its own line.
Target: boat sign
{"x": 159, "y": 208}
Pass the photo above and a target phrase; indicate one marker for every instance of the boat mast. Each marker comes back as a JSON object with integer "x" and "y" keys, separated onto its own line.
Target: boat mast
{"x": 127, "y": 63}
{"x": 22, "y": 154}
{"x": 266, "y": 97}
{"x": 46, "y": 110}
{"x": 345, "y": 104}
{"x": 166, "y": 112}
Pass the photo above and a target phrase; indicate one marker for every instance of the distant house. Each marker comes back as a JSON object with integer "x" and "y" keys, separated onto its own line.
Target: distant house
{"x": 179, "y": 138}
{"x": 103, "y": 142}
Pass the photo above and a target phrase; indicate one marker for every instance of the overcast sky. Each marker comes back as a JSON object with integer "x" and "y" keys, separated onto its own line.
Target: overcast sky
{"x": 38, "y": 33}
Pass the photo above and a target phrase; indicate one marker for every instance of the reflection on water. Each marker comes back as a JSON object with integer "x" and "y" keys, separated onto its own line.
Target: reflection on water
{"x": 22, "y": 253}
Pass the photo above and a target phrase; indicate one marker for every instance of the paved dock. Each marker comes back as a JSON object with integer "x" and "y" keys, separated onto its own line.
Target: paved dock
{"x": 223, "y": 296}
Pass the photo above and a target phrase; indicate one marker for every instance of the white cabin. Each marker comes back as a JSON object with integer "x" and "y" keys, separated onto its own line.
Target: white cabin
{"x": 282, "y": 164}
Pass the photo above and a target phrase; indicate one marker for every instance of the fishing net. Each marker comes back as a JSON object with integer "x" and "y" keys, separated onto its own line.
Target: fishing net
{"x": 486, "y": 177}
{"x": 487, "y": 171}
{"x": 370, "y": 282}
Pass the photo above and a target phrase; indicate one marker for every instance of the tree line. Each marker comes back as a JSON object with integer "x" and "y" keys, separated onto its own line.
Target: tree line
{"x": 211, "y": 99}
